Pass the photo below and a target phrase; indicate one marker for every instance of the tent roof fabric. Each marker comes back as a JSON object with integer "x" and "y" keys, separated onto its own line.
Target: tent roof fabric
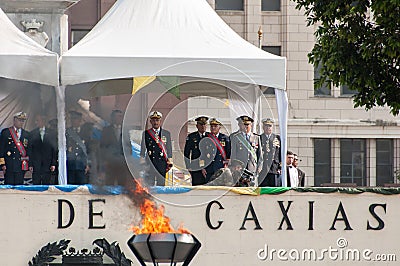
{"x": 21, "y": 58}
{"x": 168, "y": 38}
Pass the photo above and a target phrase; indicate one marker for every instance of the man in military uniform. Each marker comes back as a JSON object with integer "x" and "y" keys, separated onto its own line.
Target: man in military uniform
{"x": 193, "y": 162}
{"x": 156, "y": 150}
{"x": 15, "y": 151}
{"x": 77, "y": 157}
{"x": 246, "y": 147}
{"x": 44, "y": 152}
{"x": 271, "y": 145}
{"x": 227, "y": 176}
{"x": 215, "y": 150}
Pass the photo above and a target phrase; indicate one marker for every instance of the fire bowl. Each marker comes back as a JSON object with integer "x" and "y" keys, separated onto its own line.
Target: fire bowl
{"x": 164, "y": 247}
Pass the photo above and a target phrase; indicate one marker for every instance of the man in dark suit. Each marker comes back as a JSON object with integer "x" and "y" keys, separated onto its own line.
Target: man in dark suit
{"x": 215, "y": 150}
{"x": 302, "y": 174}
{"x": 77, "y": 157}
{"x": 292, "y": 175}
{"x": 193, "y": 162}
{"x": 246, "y": 147}
{"x": 115, "y": 166}
{"x": 156, "y": 150}
{"x": 44, "y": 152}
{"x": 271, "y": 146}
{"x": 15, "y": 151}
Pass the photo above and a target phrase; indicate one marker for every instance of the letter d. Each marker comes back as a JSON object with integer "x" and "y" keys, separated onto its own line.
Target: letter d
{"x": 262, "y": 253}
{"x": 71, "y": 213}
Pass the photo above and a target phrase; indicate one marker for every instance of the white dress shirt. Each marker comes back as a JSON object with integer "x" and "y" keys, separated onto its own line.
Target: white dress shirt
{"x": 294, "y": 176}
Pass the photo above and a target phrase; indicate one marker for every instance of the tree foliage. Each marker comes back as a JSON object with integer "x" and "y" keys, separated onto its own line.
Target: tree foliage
{"x": 358, "y": 45}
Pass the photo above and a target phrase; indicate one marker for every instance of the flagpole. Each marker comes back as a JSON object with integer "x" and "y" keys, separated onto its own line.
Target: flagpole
{"x": 259, "y": 112}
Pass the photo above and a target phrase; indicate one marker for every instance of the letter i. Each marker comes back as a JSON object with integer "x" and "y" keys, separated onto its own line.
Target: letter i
{"x": 311, "y": 215}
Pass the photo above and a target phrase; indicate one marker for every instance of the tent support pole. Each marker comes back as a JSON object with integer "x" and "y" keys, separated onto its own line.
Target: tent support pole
{"x": 282, "y": 104}
{"x": 62, "y": 142}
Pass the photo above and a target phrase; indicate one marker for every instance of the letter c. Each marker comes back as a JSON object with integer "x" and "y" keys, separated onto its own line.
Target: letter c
{"x": 208, "y": 215}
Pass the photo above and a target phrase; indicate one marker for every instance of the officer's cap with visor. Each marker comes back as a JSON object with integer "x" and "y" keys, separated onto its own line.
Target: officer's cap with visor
{"x": 20, "y": 115}
{"x": 202, "y": 120}
{"x": 245, "y": 119}
{"x": 268, "y": 121}
{"x": 214, "y": 121}
{"x": 155, "y": 114}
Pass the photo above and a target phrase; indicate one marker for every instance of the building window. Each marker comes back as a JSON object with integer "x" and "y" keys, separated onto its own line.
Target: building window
{"x": 270, "y": 5}
{"x": 77, "y": 35}
{"x": 325, "y": 89}
{"x": 344, "y": 90}
{"x": 276, "y": 50}
{"x": 229, "y": 5}
{"x": 322, "y": 161}
{"x": 384, "y": 161}
{"x": 352, "y": 161}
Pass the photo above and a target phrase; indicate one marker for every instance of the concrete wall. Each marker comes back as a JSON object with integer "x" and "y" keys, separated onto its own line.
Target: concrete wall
{"x": 234, "y": 229}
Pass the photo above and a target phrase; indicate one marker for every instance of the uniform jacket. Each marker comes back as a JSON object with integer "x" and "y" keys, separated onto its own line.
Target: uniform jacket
{"x": 241, "y": 153}
{"x": 192, "y": 152}
{"x": 151, "y": 150}
{"x": 212, "y": 155}
{"x": 43, "y": 153}
{"x": 109, "y": 142}
{"x": 9, "y": 153}
{"x": 77, "y": 158}
{"x": 271, "y": 153}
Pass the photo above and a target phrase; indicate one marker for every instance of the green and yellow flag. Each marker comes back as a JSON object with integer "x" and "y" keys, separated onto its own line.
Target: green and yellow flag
{"x": 172, "y": 84}
{"x": 140, "y": 82}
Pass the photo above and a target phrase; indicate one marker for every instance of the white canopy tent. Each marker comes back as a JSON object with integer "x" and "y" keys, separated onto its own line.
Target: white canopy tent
{"x": 147, "y": 37}
{"x": 172, "y": 38}
{"x": 21, "y": 58}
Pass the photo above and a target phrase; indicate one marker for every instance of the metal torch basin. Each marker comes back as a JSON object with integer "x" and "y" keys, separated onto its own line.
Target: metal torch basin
{"x": 164, "y": 247}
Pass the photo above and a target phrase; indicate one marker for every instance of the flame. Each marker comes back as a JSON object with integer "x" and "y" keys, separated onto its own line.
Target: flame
{"x": 153, "y": 218}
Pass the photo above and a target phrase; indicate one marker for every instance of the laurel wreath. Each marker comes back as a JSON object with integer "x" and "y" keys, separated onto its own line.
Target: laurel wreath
{"x": 113, "y": 251}
{"x": 51, "y": 251}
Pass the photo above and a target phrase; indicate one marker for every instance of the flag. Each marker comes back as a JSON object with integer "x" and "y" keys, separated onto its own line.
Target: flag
{"x": 140, "y": 82}
{"x": 172, "y": 84}
{"x": 226, "y": 103}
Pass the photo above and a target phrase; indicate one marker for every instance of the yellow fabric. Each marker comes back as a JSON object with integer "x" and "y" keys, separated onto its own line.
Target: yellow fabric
{"x": 172, "y": 180}
{"x": 239, "y": 190}
{"x": 140, "y": 82}
{"x": 226, "y": 103}
{"x": 2, "y": 161}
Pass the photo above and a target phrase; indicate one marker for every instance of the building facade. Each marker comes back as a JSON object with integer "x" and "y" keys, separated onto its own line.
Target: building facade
{"x": 336, "y": 142}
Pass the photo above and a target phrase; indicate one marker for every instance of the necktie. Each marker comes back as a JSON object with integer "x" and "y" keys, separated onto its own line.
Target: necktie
{"x": 41, "y": 133}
